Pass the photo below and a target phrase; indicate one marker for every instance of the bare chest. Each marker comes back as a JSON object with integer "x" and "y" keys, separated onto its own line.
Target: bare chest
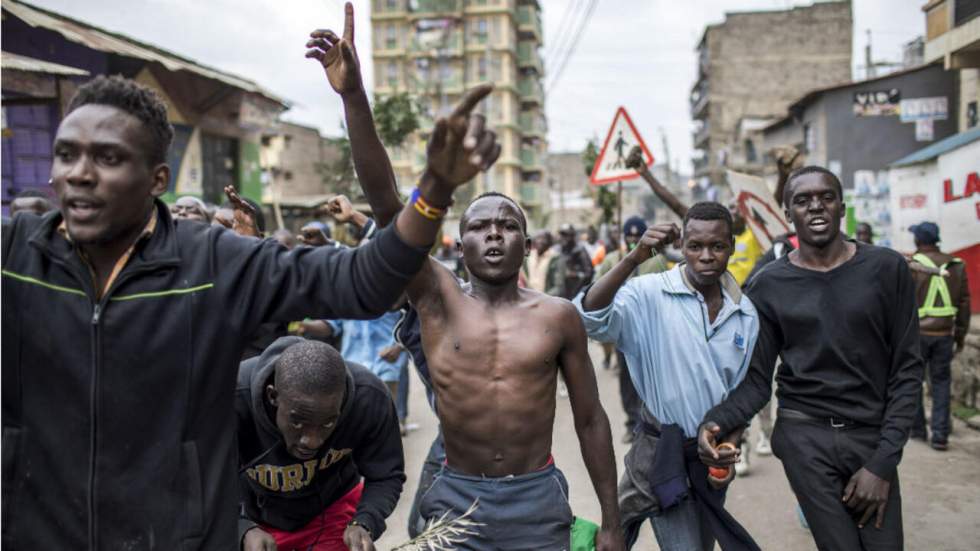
{"x": 480, "y": 344}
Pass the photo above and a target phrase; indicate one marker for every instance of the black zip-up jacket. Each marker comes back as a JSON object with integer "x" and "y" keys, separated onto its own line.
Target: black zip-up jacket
{"x": 118, "y": 413}
{"x": 366, "y": 443}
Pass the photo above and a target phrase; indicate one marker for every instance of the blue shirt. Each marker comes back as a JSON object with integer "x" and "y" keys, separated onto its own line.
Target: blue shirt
{"x": 363, "y": 340}
{"x": 681, "y": 364}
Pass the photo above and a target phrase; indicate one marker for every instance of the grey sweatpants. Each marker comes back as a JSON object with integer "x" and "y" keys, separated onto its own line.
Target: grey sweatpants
{"x": 518, "y": 512}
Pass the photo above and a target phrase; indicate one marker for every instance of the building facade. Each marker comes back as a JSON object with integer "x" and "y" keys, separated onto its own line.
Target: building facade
{"x": 857, "y": 129}
{"x": 218, "y": 118}
{"x": 435, "y": 50}
{"x": 750, "y": 68}
{"x": 953, "y": 39}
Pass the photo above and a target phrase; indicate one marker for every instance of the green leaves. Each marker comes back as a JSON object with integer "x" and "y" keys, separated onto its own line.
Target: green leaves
{"x": 396, "y": 117}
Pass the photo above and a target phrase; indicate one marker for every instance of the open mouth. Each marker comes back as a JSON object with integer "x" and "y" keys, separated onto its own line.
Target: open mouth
{"x": 82, "y": 209}
{"x": 818, "y": 224}
{"x": 493, "y": 254}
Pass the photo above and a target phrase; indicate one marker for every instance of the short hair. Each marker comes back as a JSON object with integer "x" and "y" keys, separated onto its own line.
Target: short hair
{"x": 811, "y": 169}
{"x": 488, "y": 194}
{"x": 135, "y": 99}
{"x": 311, "y": 367}
{"x": 709, "y": 210}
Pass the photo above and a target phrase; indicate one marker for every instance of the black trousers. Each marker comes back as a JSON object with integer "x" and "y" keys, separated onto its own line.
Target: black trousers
{"x": 938, "y": 354}
{"x": 627, "y": 392}
{"x": 819, "y": 460}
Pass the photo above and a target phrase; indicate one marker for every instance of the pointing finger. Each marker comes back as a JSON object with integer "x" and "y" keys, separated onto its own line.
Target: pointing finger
{"x": 494, "y": 155}
{"x": 470, "y": 99}
{"x": 439, "y": 131}
{"x": 347, "y": 51}
{"x": 474, "y": 131}
{"x": 349, "y": 22}
{"x": 484, "y": 148}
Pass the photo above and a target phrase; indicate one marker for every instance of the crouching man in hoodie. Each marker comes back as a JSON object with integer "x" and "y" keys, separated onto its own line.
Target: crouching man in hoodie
{"x": 320, "y": 454}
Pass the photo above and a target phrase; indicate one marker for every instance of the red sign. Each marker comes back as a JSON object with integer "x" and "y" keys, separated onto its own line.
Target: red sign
{"x": 610, "y": 166}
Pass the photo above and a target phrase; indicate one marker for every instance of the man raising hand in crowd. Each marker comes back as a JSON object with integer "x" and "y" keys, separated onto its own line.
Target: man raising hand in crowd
{"x": 493, "y": 350}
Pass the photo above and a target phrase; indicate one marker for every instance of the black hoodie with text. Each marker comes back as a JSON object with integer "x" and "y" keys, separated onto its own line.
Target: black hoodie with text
{"x": 281, "y": 491}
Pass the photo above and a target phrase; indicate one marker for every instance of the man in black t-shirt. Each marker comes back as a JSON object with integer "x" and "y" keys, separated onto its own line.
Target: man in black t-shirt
{"x": 842, "y": 316}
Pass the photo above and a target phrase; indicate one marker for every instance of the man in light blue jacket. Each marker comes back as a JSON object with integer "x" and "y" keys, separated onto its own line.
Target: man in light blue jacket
{"x": 687, "y": 335}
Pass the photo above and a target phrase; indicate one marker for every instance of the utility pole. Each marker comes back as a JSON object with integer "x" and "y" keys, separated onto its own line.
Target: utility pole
{"x": 869, "y": 66}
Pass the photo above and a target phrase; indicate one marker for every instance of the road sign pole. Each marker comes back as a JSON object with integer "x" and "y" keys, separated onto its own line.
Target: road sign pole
{"x": 619, "y": 209}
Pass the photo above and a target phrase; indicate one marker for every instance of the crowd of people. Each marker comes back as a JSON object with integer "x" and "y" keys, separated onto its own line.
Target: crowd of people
{"x": 179, "y": 377}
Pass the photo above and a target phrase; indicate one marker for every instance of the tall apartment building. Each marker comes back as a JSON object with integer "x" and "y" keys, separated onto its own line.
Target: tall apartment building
{"x": 437, "y": 49}
{"x": 751, "y": 68}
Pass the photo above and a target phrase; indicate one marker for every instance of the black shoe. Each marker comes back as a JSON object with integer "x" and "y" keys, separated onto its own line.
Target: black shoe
{"x": 919, "y": 436}
{"x": 939, "y": 446}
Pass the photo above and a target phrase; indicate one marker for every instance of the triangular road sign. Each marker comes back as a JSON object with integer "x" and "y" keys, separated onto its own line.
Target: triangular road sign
{"x": 610, "y": 166}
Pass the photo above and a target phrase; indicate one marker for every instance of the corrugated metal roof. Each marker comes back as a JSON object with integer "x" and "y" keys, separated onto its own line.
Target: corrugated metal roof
{"x": 942, "y": 146}
{"x": 31, "y": 65}
{"x": 106, "y": 41}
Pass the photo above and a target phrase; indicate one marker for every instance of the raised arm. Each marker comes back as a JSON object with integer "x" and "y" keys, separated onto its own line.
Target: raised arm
{"x": 636, "y": 162}
{"x": 601, "y": 294}
{"x": 787, "y": 160}
{"x": 591, "y": 426}
{"x": 338, "y": 55}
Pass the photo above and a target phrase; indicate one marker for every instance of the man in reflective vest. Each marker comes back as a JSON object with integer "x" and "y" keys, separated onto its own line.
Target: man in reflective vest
{"x": 944, "y": 320}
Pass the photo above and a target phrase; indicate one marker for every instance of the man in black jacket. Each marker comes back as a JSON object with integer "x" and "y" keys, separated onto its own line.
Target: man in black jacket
{"x": 842, "y": 317}
{"x": 117, "y": 376}
{"x": 310, "y": 426}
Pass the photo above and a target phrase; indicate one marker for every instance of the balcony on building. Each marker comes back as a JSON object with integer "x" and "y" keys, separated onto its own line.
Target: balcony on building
{"x": 493, "y": 6}
{"x": 423, "y": 9}
{"x": 953, "y": 33}
{"x": 701, "y": 136}
{"x": 382, "y": 10}
{"x": 530, "y": 160}
{"x": 530, "y": 90}
{"x": 533, "y": 125}
{"x": 528, "y": 56}
{"x": 699, "y": 100}
{"x": 700, "y": 164}
{"x": 450, "y": 45}
{"x": 529, "y": 22}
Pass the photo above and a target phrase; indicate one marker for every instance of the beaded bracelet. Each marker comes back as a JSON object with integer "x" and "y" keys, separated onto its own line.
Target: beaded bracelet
{"x": 424, "y": 208}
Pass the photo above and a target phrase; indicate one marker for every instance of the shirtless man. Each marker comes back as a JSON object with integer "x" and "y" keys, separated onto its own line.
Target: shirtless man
{"x": 494, "y": 350}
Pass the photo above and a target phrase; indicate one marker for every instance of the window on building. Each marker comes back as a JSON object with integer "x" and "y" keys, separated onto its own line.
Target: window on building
{"x": 391, "y": 5}
{"x": 422, "y": 68}
{"x": 809, "y": 138}
{"x": 496, "y": 69}
{"x": 481, "y": 68}
{"x": 391, "y": 37}
{"x": 750, "y": 155}
{"x": 479, "y": 30}
{"x": 495, "y": 30}
{"x": 392, "y": 75}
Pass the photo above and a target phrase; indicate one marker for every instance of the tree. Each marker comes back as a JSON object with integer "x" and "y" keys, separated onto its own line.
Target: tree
{"x": 396, "y": 117}
{"x": 605, "y": 199}
{"x": 338, "y": 175}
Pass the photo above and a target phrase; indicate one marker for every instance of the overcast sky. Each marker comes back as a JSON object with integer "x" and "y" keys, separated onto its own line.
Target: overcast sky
{"x": 635, "y": 53}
